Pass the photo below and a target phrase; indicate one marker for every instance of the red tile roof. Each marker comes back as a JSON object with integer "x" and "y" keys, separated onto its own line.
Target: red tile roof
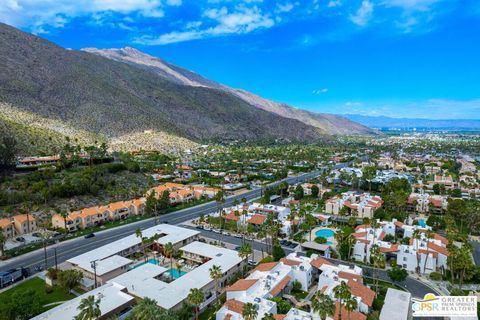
{"x": 234, "y": 305}
{"x": 279, "y": 316}
{"x": 317, "y": 263}
{"x": 353, "y": 315}
{"x": 257, "y": 219}
{"x": 279, "y": 287}
{"x": 393, "y": 248}
{"x": 265, "y": 266}
{"x": 349, "y": 276}
{"x": 359, "y": 290}
{"x": 444, "y": 240}
{"x": 438, "y": 248}
{"x": 290, "y": 262}
{"x": 242, "y": 285}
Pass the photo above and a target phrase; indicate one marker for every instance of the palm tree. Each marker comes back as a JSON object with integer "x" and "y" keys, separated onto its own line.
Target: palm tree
{"x": 268, "y": 316}
{"x": 64, "y": 215}
{"x": 89, "y": 308}
{"x": 168, "y": 251}
{"x": 351, "y": 304}
{"x": 323, "y": 305}
{"x": 249, "y": 311}
{"x": 2, "y": 241}
{"x": 216, "y": 274}
{"x": 342, "y": 293}
{"x": 244, "y": 252}
{"x": 417, "y": 236}
{"x": 146, "y": 309}
{"x": 428, "y": 236}
{"x": 139, "y": 234}
{"x": 196, "y": 297}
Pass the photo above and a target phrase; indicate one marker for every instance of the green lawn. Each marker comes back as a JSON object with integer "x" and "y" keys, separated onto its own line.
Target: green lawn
{"x": 38, "y": 285}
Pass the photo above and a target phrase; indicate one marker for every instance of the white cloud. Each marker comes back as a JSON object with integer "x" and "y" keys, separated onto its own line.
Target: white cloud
{"x": 413, "y": 5}
{"x": 285, "y": 7}
{"x": 240, "y": 21}
{"x": 320, "y": 91}
{"x": 36, "y": 14}
{"x": 363, "y": 14}
{"x": 334, "y": 3}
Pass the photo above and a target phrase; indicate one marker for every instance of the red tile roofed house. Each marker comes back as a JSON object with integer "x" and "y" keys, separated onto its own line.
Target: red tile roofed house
{"x": 119, "y": 210}
{"x": 137, "y": 206}
{"x": 399, "y": 224}
{"x": 393, "y": 248}
{"x": 231, "y": 216}
{"x": 279, "y": 316}
{"x": 362, "y": 226}
{"x": 444, "y": 240}
{"x": 24, "y": 223}
{"x": 234, "y": 305}
{"x": 6, "y": 226}
{"x": 366, "y": 294}
{"x": 439, "y": 249}
{"x": 257, "y": 219}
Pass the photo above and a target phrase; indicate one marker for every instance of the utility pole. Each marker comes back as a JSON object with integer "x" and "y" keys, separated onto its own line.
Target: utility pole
{"x": 93, "y": 264}
{"x": 55, "y": 255}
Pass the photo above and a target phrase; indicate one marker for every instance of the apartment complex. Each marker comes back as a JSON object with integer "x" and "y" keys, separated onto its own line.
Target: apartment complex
{"x": 362, "y": 204}
{"x": 18, "y": 225}
{"x": 121, "y": 282}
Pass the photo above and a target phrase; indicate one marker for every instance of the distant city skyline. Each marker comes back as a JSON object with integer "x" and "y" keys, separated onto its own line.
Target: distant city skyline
{"x": 396, "y": 58}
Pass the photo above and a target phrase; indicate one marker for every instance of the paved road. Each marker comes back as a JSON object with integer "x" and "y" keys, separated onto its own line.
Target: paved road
{"x": 71, "y": 248}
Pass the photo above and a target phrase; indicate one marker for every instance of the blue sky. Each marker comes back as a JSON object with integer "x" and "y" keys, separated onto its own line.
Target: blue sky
{"x": 401, "y": 58}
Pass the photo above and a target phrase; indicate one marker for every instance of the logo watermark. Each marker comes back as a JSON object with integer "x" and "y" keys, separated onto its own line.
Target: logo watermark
{"x": 445, "y": 306}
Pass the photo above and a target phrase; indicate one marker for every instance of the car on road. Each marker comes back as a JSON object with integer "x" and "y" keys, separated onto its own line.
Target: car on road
{"x": 252, "y": 263}
{"x": 283, "y": 242}
{"x": 293, "y": 245}
{"x": 90, "y": 235}
{"x": 199, "y": 227}
{"x": 237, "y": 235}
{"x": 207, "y": 228}
{"x": 20, "y": 239}
{"x": 287, "y": 243}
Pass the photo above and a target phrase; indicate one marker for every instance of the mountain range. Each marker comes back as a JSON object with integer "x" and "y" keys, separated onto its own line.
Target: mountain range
{"x": 388, "y": 123}
{"x": 120, "y": 95}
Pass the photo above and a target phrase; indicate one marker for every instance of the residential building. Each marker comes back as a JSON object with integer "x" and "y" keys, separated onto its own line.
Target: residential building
{"x": 397, "y": 305}
{"x": 24, "y": 223}
{"x": 362, "y": 204}
{"x": 7, "y": 228}
{"x": 111, "y": 260}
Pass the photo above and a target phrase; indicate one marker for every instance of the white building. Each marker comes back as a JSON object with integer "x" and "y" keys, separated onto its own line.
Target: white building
{"x": 396, "y": 305}
{"x": 362, "y": 203}
{"x": 266, "y": 281}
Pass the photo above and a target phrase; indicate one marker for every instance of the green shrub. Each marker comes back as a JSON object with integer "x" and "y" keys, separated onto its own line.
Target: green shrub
{"x": 436, "y": 276}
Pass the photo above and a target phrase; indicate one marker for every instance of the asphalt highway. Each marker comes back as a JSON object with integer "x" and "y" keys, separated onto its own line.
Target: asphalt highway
{"x": 74, "y": 247}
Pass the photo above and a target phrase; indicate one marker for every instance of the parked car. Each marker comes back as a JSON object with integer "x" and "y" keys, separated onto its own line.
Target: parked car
{"x": 90, "y": 235}
{"x": 287, "y": 243}
{"x": 20, "y": 239}
{"x": 293, "y": 245}
{"x": 252, "y": 263}
{"x": 283, "y": 242}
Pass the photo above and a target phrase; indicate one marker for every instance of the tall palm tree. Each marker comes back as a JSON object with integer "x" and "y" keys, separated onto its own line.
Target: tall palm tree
{"x": 351, "y": 304}
{"x": 146, "y": 309}
{"x": 2, "y": 241}
{"x": 216, "y": 274}
{"x": 428, "y": 235}
{"x": 64, "y": 215}
{"x": 417, "y": 236}
{"x": 196, "y": 297}
{"x": 89, "y": 308}
{"x": 342, "y": 293}
{"x": 249, "y": 311}
{"x": 244, "y": 252}
{"x": 168, "y": 251}
{"x": 139, "y": 234}
{"x": 323, "y": 305}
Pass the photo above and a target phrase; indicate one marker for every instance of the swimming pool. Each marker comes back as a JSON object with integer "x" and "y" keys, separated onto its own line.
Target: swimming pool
{"x": 325, "y": 233}
{"x": 422, "y": 223}
{"x": 174, "y": 273}
{"x": 152, "y": 261}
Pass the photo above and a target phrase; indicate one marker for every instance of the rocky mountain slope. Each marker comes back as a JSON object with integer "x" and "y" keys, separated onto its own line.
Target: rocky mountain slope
{"x": 88, "y": 96}
{"x": 326, "y": 123}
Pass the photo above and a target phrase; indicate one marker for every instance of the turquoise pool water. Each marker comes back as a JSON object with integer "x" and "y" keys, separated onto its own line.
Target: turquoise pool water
{"x": 422, "y": 223}
{"x": 152, "y": 261}
{"x": 174, "y": 273}
{"x": 325, "y": 233}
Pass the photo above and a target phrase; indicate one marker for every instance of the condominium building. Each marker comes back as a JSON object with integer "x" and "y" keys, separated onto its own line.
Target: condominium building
{"x": 363, "y": 204}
